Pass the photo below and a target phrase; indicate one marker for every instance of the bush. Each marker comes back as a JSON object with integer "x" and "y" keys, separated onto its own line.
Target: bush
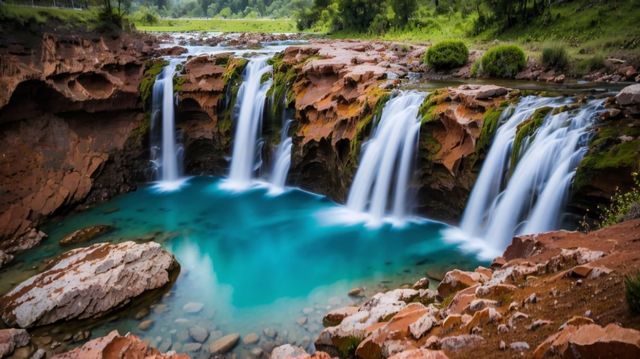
{"x": 623, "y": 205}
{"x": 589, "y": 64}
{"x": 146, "y": 16}
{"x": 447, "y": 55}
{"x": 632, "y": 292}
{"x": 555, "y": 57}
{"x": 503, "y": 61}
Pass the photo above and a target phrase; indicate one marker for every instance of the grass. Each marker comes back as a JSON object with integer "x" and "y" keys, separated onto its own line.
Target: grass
{"x": 221, "y": 25}
{"x": 26, "y": 15}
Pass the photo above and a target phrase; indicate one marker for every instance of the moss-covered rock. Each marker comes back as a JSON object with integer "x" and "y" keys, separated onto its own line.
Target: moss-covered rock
{"x": 526, "y": 132}
{"x": 152, "y": 69}
{"x": 490, "y": 125}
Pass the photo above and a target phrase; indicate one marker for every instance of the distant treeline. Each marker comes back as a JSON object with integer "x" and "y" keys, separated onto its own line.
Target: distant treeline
{"x": 380, "y": 16}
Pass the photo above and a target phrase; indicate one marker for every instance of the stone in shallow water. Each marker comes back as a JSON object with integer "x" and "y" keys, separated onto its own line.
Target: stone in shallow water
{"x": 11, "y": 339}
{"x": 87, "y": 282}
{"x": 224, "y": 344}
{"x": 198, "y": 333}
{"x": 85, "y": 234}
{"x": 145, "y": 324}
{"x": 192, "y": 307}
{"x": 270, "y": 333}
{"x": 251, "y": 338}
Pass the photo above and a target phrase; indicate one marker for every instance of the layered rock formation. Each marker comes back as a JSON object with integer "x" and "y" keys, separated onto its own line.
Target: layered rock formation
{"x": 71, "y": 123}
{"x": 558, "y": 294}
{"x": 87, "y": 282}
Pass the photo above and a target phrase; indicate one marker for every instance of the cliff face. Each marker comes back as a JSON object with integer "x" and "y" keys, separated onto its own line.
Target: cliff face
{"x": 71, "y": 123}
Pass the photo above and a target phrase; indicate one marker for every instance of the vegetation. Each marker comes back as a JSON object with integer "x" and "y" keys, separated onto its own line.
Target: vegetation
{"x": 632, "y": 292}
{"x": 221, "y": 25}
{"x": 490, "y": 125}
{"x": 152, "y": 69}
{"x": 555, "y": 57}
{"x": 525, "y": 132}
{"x": 503, "y": 61}
{"x": 447, "y": 55}
{"x": 623, "y": 206}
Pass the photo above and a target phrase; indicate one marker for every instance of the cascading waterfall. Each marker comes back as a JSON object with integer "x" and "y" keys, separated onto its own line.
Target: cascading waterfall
{"x": 251, "y": 101}
{"x": 385, "y": 167}
{"x": 532, "y": 198}
{"x": 166, "y": 154}
{"x": 282, "y": 158}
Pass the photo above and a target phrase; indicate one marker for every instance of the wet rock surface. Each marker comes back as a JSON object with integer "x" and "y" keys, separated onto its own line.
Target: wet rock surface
{"x": 87, "y": 283}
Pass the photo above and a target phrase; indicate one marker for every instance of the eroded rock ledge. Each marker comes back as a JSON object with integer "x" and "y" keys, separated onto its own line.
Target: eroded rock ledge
{"x": 87, "y": 283}
{"x": 557, "y": 294}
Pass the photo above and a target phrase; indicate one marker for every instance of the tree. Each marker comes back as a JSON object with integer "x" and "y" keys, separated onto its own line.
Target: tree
{"x": 404, "y": 9}
{"x": 357, "y": 14}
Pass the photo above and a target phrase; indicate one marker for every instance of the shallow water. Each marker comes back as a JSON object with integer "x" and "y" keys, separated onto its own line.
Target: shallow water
{"x": 255, "y": 261}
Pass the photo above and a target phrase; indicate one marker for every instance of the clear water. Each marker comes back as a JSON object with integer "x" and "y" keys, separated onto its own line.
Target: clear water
{"x": 254, "y": 260}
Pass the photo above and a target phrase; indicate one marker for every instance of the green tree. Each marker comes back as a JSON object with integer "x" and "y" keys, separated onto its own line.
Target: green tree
{"x": 357, "y": 14}
{"x": 403, "y": 9}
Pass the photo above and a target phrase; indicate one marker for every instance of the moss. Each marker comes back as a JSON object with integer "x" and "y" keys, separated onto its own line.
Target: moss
{"x": 232, "y": 78}
{"x": 490, "y": 124}
{"x": 151, "y": 70}
{"x": 280, "y": 92}
{"x": 429, "y": 104}
{"x": 363, "y": 127}
{"x": 607, "y": 151}
{"x": 526, "y": 130}
{"x": 178, "y": 82}
{"x": 347, "y": 346}
{"x": 265, "y": 77}
{"x": 137, "y": 135}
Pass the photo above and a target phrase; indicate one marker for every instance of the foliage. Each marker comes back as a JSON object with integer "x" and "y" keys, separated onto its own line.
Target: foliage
{"x": 221, "y": 25}
{"x": 145, "y": 15}
{"x": 623, "y": 206}
{"x": 589, "y": 64}
{"x": 503, "y": 61}
{"x": 447, "y": 55}
{"x": 490, "y": 125}
{"x": 152, "y": 69}
{"x": 555, "y": 57}
{"x": 632, "y": 292}
{"x": 526, "y": 131}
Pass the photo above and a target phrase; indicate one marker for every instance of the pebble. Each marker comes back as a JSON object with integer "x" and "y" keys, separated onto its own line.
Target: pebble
{"x": 502, "y": 329}
{"x": 160, "y": 308}
{"x": 503, "y": 345}
{"x": 520, "y": 346}
{"x": 270, "y": 333}
{"x": 145, "y": 324}
{"x": 301, "y": 321}
{"x": 192, "y": 307}
{"x": 250, "y": 339}
{"x": 165, "y": 345}
{"x": 224, "y": 344}
{"x": 192, "y": 347}
{"x": 198, "y": 333}
{"x": 141, "y": 313}
{"x": 356, "y": 292}
{"x": 257, "y": 352}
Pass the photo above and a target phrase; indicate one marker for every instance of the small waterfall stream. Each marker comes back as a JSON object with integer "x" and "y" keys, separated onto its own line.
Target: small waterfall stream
{"x": 384, "y": 170}
{"x": 166, "y": 154}
{"x": 528, "y": 198}
{"x": 251, "y": 100}
{"x": 282, "y": 158}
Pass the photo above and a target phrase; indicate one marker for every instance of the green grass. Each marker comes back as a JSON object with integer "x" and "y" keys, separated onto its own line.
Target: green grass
{"x": 25, "y": 15}
{"x": 221, "y": 25}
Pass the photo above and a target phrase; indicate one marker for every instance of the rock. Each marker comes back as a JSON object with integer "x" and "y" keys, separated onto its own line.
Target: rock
{"x": 198, "y": 334}
{"x": 301, "y": 321}
{"x": 422, "y": 283}
{"x": 172, "y": 51}
{"x": 456, "y": 280}
{"x": 141, "y": 313}
{"x": 146, "y": 324}
{"x": 11, "y": 339}
{"x": 87, "y": 283}
{"x": 519, "y": 346}
{"x": 532, "y": 299}
{"x": 459, "y": 342}
{"x": 81, "y": 336}
{"x": 39, "y": 354}
{"x": 503, "y": 329}
{"x": 502, "y": 345}
{"x": 270, "y": 333}
{"x": 577, "y": 321}
{"x": 629, "y": 96}
{"x": 224, "y": 344}
{"x": 287, "y": 351}
{"x": 420, "y": 354}
{"x": 451, "y": 322}
{"x": 538, "y": 323}
{"x": 591, "y": 341}
{"x": 85, "y": 234}
{"x": 192, "y": 347}
{"x": 250, "y": 339}
{"x": 422, "y": 325}
{"x": 192, "y": 308}
{"x": 256, "y": 352}
{"x": 5, "y": 258}
{"x": 356, "y": 292}
{"x": 336, "y": 316}
{"x": 479, "y": 304}
{"x": 589, "y": 270}
{"x": 495, "y": 290}
{"x": 115, "y": 345}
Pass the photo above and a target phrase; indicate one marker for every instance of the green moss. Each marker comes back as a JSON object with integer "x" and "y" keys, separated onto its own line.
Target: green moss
{"x": 526, "y": 130}
{"x": 347, "y": 346}
{"x": 608, "y": 151}
{"x": 490, "y": 125}
{"x": 281, "y": 93}
{"x": 428, "y": 106}
{"x": 265, "y": 77}
{"x": 232, "y": 78}
{"x": 151, "y": 70}
{"x": 363, "y": 127}
{"x": 178, "y": 82}
{"x": 447, "y": 54}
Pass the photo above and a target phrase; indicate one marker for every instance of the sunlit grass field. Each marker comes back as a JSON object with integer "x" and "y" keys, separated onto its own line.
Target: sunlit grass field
{"x": 221, "y": 25}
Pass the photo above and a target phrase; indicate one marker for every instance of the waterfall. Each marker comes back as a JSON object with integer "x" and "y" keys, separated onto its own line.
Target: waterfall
{"x": 282, "y": 158}
{"x": 385, "y": 166}
{"x": 166, "y": 154}
{"x": 251, "y": 99}
{"x": 530, "y": 197}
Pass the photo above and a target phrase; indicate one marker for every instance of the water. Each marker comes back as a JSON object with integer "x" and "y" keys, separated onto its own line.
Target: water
{"x": 380, "y": 185}
{"x": 530, "y": 197}
{"x": 166, "y": 154}
{"x": 282, "y": 158}
{"x": 253, "y": 260}
{"x": 245, "y": 158}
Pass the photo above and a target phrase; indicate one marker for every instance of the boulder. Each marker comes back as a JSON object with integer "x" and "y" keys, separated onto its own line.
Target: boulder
{"x": 629, "y": 96}
{"x": 336, "y": 316}
{"x": 114, "y": 345}
{"x": 456, "y": 280}
{"x": 591, "y": 341}
{"x": 420, "y": 354}
{"x": 85, "y": 234}
{"x": 87, "y": 282}
{"x": 287, "y": 351}
{"x": 224, "y": 344}
{"x": 11, "y": 339}
{"x": 460, "y": 342}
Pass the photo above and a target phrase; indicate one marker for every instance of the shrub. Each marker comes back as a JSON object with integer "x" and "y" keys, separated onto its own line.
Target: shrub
{"x": 503, "y": 61}
{"x": 632, "y": 292}
{"x": 623, "y": 205}
{"x": 589, "y": 64}
{"x": 555, "y": 57}
{"x": 447, "y": 55}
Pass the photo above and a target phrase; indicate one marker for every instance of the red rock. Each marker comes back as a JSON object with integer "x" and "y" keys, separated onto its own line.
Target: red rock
{"x": 336, "y": 316}
{"x": 11, "y": 339}
{"x": 113, "y": 345}
{"x": 459, "y": 342}
{"x": 420, "y": 354}
{"x": 456, "y": 280}
{"x": 591, "y": 341}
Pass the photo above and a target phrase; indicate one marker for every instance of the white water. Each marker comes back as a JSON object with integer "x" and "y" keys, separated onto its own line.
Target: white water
{"x": 245, "y": 158}
{"x": 282, "y": 159}
{"x": 534, "y": 195}
{"x": 166, "y": 154}
{"x": 384, "y": 169}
